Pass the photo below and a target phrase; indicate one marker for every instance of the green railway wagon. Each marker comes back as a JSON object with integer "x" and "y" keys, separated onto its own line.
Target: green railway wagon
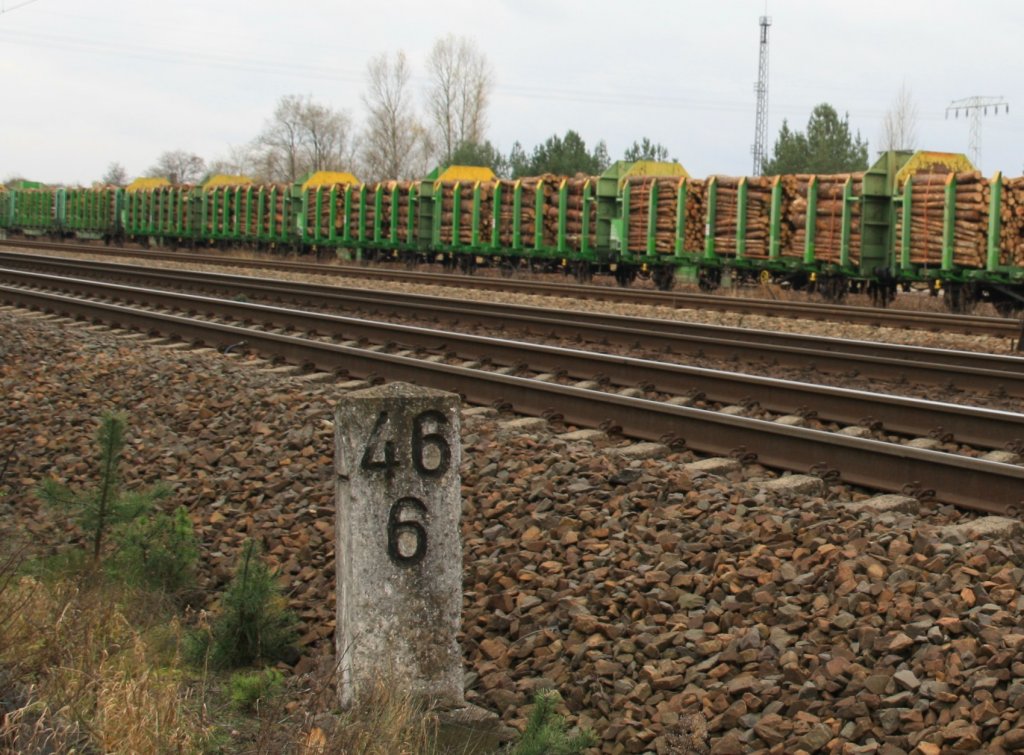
{"x": 159, "y": 214}
{"x": 37, "y": 211}
{"x": 94, "y": 213}
{"x": 324, "y": 206}
{"x": 5, "y": 210}
{"x": 220, "y": 208}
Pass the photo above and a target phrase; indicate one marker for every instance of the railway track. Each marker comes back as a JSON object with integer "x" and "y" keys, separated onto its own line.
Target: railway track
{"x": 976, "y": 483}
{"x": 966, "y": 371}
{"x": 891, "y": 318}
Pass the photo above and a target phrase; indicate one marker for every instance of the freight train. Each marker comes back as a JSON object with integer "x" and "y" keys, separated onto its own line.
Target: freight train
{"x": 912, "y": 220}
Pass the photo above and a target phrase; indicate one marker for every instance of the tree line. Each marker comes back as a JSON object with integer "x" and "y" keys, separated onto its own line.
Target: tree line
{"x": 407, "y": 133}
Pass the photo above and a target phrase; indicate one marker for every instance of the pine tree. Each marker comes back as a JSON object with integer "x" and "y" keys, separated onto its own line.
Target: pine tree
{"x": 106, "y": 506}
{"x": 826, "y": 147}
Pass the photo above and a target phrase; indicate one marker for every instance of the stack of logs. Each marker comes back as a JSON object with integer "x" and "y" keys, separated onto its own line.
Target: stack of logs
{"x": 395, "y": 193}
{"x": 640, "y": 189}
{"x": 696, "y": 215}
{"x": 273, "y": 211}
{"x": 1011, "y": 215}
{"x": 758, "y": 215}
{"x": 927, "y": 203}
{"x": 322, "y": 224}
{"x": 828, "y": 220}
{"x": 353, "y": 212}
{"x": 221, "y": 208}
{"x": 548, "y": 186}
{"x": 466, "y": 190}
{"x": 173, "y": 210}
{"x": 577, "y": 188}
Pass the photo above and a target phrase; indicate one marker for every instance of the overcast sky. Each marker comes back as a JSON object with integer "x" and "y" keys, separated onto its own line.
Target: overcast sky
{"x": 88, "y": 82}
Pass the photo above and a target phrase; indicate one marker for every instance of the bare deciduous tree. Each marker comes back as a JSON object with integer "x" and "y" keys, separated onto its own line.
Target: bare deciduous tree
{"x": 302, "y": 136}
{"x": 238, "y": 161}
{"x": 116, "y": 175}
{"x": 899, "y": 127}
{"x": 179, "y": 167}
{"x": 460, "y": 84}
{"x": 394, "y": 142}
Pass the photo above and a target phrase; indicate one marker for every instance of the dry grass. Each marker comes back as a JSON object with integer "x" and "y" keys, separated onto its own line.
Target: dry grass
{"x": 387, "y": 721}
{"x": 79, "y": 672}
{"x": 86, "y": 666}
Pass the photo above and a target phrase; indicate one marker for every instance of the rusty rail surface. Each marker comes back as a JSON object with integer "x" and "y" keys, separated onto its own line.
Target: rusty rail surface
{"x": 973, "y": 483}
{"x": 843, "y": 313}
{"x": 976, "y": 426}
{"x": 967, "y": 371}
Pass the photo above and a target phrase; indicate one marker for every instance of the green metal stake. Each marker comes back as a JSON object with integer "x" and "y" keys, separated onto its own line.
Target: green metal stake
{"x": 948, "y": 222}
{"x": 652, "y": 219}
{"x": 585, "y": 224}
{"x": 995, "y": 228}
{"x": 538, "y": 218}
{"x": 305, "y": 231}
{"x": 346, "y": 225}
{"x": 709, "y": 226}
{"x": 271, "y": 227}
{"x": 627, "y": 202}
{"x": 908, "y": 193}
{"x": 260, "y": 209}
{"x": 775, "y": 221}
{"x": 496, "y": 217}
{"x": 332, "y": 216}
{"x": 517, "y": 216}
{"x": 563, "y": 209}
{"x": 741, "y": 219}
{"x": 844, "y": 235}
{"x": 680, "y": 245}
{"x": 410, "y": 230}
{"x": 393, "y": 231}
{"x": 378, "y": 212}
{"x": 456, "y": 215}
{"x": 436, "y": 217}
{"x": 475, "y": 219}
{"x": 811, "y": 225}
{"x": 361, "y": 231}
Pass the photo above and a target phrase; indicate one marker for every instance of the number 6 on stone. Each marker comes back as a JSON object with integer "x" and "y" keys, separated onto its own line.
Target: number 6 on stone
{"x": 404, "y": 532}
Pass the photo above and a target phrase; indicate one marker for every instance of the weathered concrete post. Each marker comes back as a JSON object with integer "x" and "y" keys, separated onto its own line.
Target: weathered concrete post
{"x": 398, "y": 552}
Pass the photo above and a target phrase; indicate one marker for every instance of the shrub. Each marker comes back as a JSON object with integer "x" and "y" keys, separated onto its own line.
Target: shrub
{"x": 157, "y": 552}
{"x": 252, "y": 624}
{"x": 106, "y": 506}
{"x": 248, "y": 690}
{"x": 545, "y": 730}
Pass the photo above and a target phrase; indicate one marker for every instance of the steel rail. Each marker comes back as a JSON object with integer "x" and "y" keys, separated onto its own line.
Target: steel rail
{"x": 970, "y": 425}
{"x": 977, "y": 484}
{"x": 870, "y": 359}
{"x": 895, "y": 318}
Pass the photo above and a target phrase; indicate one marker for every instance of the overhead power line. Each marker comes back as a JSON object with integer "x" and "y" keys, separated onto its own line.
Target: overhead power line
{"x": 4, "y": 8}
{"x": 974, "y": 108}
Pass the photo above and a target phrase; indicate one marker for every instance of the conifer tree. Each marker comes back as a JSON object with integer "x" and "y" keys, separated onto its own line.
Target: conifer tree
{"x": 106, "y": 506}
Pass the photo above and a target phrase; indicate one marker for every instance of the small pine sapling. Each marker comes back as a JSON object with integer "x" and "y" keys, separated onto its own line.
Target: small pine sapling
{"x": 545, "y": 732}
{"x": 252, "y": 624}
{"x": 158, "y": 552}
{"x": 106, "y": 506}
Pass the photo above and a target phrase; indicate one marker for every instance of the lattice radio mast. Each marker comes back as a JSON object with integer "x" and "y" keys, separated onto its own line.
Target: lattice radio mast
{"x": 974, "y": 108}
{"x": 761, "y": 88}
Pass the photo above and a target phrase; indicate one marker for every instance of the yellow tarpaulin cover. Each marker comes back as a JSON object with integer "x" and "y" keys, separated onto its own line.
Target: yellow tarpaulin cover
{"x": 147, "y": 183}
{"x": 655, "y": 168}
{"x": 222, "y": 179}
{"x": 927, "y": 162}
{"x": 472, "y": 173}
{"x": 329, "y": 178}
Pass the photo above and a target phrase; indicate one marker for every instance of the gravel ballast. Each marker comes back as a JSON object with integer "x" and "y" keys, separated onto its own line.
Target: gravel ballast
{"x": 646, "y": 585}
